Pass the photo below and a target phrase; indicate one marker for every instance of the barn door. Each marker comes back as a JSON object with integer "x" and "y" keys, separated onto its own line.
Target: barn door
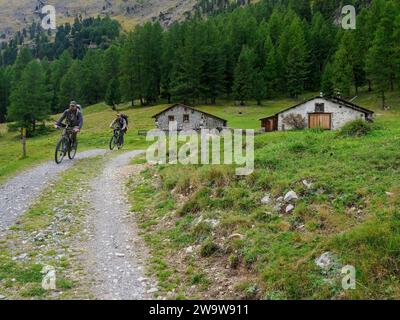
{"x": 320, "y": 120}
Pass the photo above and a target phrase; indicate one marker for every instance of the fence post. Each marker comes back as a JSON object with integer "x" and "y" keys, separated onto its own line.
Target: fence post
{"x": 23, "y": 131}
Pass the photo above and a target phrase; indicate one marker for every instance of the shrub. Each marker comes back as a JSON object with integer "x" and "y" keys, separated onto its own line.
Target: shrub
{"x": 208, "y": 248}
{"x": 295, "y": 121}
{"x": 357, "y": 128}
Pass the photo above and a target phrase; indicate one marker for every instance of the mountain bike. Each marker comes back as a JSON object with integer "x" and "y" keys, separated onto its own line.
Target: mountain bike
{"x": 65, "y": 145}
{"x": 115, "y": 139}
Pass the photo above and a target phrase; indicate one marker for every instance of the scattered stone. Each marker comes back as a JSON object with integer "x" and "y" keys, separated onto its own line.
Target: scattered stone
{"x": 289, "y": 208}
{"x": 152, "y": 290}
{"x": 141, "y": 279}
{"x": 280, "y": 199}
{"x": 266, "y": 199}
{"x": 120, "y": 255}
{"x": 212, "y": 222}
{"x": 189, "y": 250}
{"x": 390, "y": 194}
{"x": 301, "y": 227}
{"x": 2, "y": 297}
{"x": 22, "y": 256}
{"x": 290, "y": 196}
{"x": 39, "y": 237}
{"x": 236, "y": 235}
{"x": 307, "y": 184}
{"x": 326, "y": 261}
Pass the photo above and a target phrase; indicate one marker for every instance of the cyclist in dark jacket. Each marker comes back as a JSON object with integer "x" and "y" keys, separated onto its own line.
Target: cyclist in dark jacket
{"x": 121, "y": 124}
{"x": 74, "y": 119}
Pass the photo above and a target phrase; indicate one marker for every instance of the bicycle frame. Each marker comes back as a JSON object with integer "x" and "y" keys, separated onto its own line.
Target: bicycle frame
{"x": 67, "y": 132}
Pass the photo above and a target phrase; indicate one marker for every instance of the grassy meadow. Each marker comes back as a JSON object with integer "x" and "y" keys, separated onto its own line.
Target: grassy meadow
{"x": 351, "y": 210}
{"x": 240, "y": 247}
{"x": 96, "y": 133}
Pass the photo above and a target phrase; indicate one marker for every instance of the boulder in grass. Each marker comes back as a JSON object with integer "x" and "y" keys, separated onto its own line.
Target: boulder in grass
{"x": 266, "y": 199}
{"x": 290, "y": 196}
{"x": 326, "y": 261}
{"x": 289, "y": 208}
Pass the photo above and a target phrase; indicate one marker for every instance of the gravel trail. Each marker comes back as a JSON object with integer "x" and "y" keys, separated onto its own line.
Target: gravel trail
{"x": 19, "y": 192}
{"x": 116, "y": 253}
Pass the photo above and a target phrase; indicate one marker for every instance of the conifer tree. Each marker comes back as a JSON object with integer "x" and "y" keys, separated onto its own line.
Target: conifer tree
{"x": 327, "y": 86}
{"x": 130, "y": 73}
{"x": 29, "y": 99}
{"x": 59, "y": 68}
{"x": 92, "y": 83}
{"x": 187, "y": 67}
{"x": 342, "y": 72}
{"x": 243, "y": 87}
{"x": 23, "y": 58}
{"x": 297, "y": 63}
{"x": 70, "y": 86}
{"x": 5, "y": 86}
{"x": 378, "y": 68}
{"x": 113, "y": 96}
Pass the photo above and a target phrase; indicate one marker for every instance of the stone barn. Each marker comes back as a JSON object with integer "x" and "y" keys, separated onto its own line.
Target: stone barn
{"x": 329, "y": 113}
{"x": 187, "y": 118}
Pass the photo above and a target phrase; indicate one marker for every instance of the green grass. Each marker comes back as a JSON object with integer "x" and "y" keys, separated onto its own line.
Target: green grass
{"x": 21, "y": 279}
{"x": 348, "y": 210}
{"x": 96, "y": 133}
{"x": 351, "y": 210}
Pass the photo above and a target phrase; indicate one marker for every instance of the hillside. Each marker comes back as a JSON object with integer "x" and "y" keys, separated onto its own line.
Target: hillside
{"x": 212, "y": 236}
{"x": 207, "y": 232}
{"x": 15, "y": 15}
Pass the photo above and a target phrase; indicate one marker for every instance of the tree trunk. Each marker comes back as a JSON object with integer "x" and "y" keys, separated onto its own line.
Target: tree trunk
{"x": 33, "y": 125}
{"x": 369, "y": 86}
{"x": 383, "y": 100}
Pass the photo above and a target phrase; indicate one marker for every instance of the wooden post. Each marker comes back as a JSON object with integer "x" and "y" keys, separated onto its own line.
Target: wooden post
{"x": 23, "y": 132}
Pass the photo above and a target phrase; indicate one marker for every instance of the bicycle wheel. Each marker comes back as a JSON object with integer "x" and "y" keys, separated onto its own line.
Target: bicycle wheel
{"x": 113, "y": 142}
{"x": 72, "y": 150}
{"x": 120, "y": 145}
{"x": 60, "y": 150}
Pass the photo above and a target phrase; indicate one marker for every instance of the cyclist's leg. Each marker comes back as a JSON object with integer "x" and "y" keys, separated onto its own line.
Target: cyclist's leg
{"x": 121, "y": 137}
{"x": 73, "y": 139}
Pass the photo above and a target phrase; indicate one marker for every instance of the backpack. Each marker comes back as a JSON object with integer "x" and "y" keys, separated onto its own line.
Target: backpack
{"x": 124, "y": 116}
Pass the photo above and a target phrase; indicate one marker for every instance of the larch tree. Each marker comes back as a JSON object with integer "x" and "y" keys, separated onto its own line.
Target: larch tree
{"x": 29, "y": 99}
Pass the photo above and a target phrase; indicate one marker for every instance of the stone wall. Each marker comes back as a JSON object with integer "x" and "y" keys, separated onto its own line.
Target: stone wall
{"x": 340, "y": 113}
{"x": 196, "y": 119}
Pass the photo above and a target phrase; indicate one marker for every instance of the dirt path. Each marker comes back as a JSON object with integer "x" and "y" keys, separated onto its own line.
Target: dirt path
{"x": 18, "y": 193}
{"x": 116, "y": 254}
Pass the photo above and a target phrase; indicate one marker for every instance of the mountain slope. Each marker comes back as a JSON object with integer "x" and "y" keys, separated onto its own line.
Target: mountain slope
{"x": 15, "y": 15}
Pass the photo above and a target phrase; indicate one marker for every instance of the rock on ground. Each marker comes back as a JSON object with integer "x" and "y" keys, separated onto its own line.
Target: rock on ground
{"x": 290, "y": 196}
{"x": 326, "y": 261}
